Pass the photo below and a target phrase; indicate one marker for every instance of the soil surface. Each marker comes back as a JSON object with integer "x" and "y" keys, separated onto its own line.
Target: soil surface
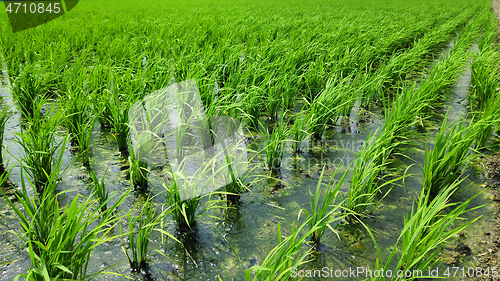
{"x": 489, "y": 256}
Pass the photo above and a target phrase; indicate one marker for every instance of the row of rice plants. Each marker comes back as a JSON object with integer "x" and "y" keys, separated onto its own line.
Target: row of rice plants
{"x": 425, "y": 232}
{"x": 419, "y": 245}
{"x": 484, "y": 96}
{"x": 290, "y": 253}
{"x": 398, "y": 67}
{"x": 408, "y": 105}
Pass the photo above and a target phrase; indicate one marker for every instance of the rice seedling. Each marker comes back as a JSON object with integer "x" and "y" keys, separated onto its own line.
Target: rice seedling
{"x": 275, "y": 142}
{"x": 288, "y": 254}
{"x": 272, "y": 56}
{"x": 322, "y": 215}
{"x": 118, "y": 107}
{"x": 446, "y": 161}
{"x": 140, "y": 229}
{"x": 37, "y": 212}
{"x": 252, "y": 103}
{"x": 28, "y": 89}
{"x": 80, "y": 122}
{"x": 335, "y": 99}
{"x": 484, "y": 78}
{"x": 138, "y": 171}
{"x": 365, "y": 181}
{"x": 100, "y": 191}
{"x": 4, "y": 116}
{"x": 60, "y": 239}
{"x": 299, "y": 131}
{"x": 404, "y": 111}
{"x": 425, "y": 232}
{"x": 185, "y": 213}
{"x": 42, "y": 153}
{"x": 486, "y": 122}
{"x": 103, "y": 111}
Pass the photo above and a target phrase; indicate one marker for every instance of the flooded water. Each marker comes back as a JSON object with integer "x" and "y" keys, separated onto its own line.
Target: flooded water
{"x": 251, "y": 230}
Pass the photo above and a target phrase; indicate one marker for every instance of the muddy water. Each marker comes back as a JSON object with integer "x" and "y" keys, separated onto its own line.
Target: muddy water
{"x": 251, "y": 231}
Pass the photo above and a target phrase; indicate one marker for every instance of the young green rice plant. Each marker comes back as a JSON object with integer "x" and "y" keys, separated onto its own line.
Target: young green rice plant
{"x": 4, "y": 116}
{"x": 328, "y": 211}
{"x": 140, "y": 229}
{"x": 183, "y": 212}
{"x": 366, "y": 183}
{"x": 275, "y": 142}
{"x": 61, "y": 239}
{"x": 484, "y": 78}
{"x": 446, "y": 161}
{"x": 289, "y": 254}
{"x": 425, "y": 232}
{"x": 42, "y": 153}
{"x": 103, "y": 110}
{"x": 118, "y": 107}
{"x": 80, "y": 122}
{"x": 84, "y": 139}
{"x": 329, "y": 105}
{"x": 138, "y": 171}
{"x": 100, "y": 191}
{"x": 28, "y": 89}
{"x": 252, "y": 106}
{"x": 404, "y": 111}
{"x": 37, "y": 213}
{"x": 486, "y": 120}
{"x": 299, "y": 130}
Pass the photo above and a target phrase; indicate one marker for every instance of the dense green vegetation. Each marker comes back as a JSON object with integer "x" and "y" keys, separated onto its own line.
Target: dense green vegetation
{"x": 292, "y": 72}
